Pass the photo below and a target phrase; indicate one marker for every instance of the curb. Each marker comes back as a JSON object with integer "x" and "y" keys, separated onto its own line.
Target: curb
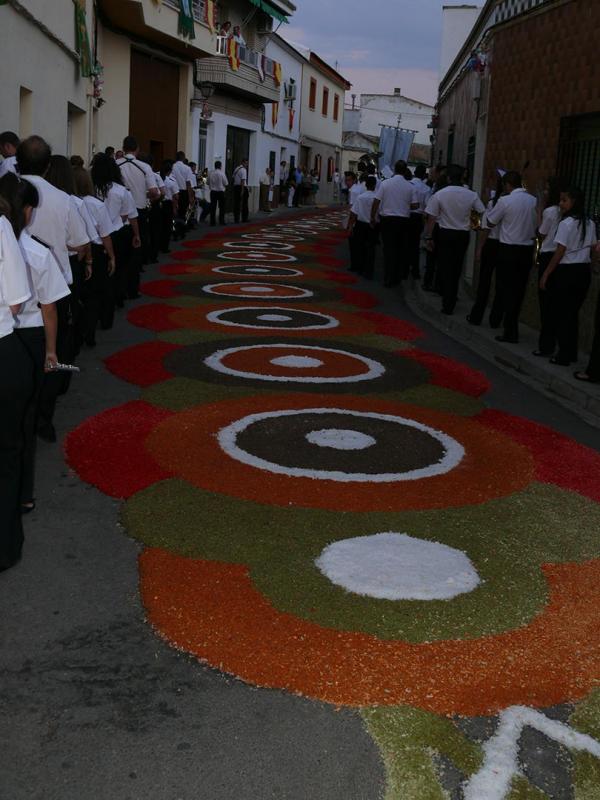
{"x": 578, "y": 397}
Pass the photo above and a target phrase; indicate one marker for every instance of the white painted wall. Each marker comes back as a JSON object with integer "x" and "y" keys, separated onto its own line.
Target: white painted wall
{"x": 374, "y": 110}
{"x": 457, "y": 23}
{"x": 313, "y": 123}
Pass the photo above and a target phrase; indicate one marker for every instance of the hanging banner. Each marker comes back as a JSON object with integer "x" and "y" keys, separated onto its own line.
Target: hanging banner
{"x": 260, "y": 66}
{"x": 82, "y": 39}
{"x": 210, "y": 15}
{"x": 275, "y": 114}
{"x": 186, "y": 20}
{"x": 233, "y": 51}
{"x": 277, "y": 74}
{"x": 291, "y": 118}
{"x": 394, "y": 145}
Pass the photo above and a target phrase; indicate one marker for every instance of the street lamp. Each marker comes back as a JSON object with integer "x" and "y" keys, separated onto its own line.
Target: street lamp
{"x": 206, "y": 89}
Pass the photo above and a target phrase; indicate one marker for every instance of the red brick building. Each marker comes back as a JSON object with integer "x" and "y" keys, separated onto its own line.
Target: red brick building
{"x": 536, "y": 105}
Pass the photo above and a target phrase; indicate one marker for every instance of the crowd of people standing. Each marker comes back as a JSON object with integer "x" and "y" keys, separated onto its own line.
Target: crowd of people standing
{"x": 437, "y": 213}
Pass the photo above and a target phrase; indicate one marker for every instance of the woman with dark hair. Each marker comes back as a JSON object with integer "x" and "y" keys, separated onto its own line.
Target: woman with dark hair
{"x": 108, "y": 185}
{"x": 15, "y": 390}
{"x": 568, "y": 275}
{"x": 550, "y": 219}
{"x": 37, "y": 320}
{"x": 98, "y": 293}
{"x": 487, "y": 255}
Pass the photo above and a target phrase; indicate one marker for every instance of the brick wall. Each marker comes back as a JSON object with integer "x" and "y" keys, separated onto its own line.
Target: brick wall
{"x": 544, "y": 67}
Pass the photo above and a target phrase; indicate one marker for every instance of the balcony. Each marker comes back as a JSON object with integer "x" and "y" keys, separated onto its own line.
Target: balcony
{"x": 245, "y": 81}
{"x": 158, "y": 24}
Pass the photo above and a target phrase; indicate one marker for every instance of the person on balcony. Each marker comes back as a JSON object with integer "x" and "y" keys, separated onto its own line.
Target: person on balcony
{"x": 237, "y": 36}
{"x": 240, "y": 192}
{"x": 225, "y": 29}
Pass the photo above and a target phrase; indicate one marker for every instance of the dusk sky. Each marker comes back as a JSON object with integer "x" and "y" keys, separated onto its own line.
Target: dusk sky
{"x": 377, "y": 44}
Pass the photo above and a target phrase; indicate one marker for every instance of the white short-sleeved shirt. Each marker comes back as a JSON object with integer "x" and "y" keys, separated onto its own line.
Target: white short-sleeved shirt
{"x": 494, "y": 232}
{"x": 182, "y": 175}
{"x": 90, "y": 228}
{"x": 171, "y": 187}
{"x": 362, "y": 206}
{"x": 160, "y": 184}
{"x": 396, "y": 195}
{"x": 578, "y": 244}
{"x": 138, "y": 178}
{"x": 423, "y": 193}
{"x": 548, "y": 228}
{"x": 518, "y": 215}
{"x": 57, "y": 222}
{"x": 354, "y": 192}
{"x": 46, "y": 281}
{"x": 99, "y": 214}
{"x": 119, "y": 204}
{"x": 217, "y": 180}
{"x": 452, "y": 207}
{"x": 9, "y": 164}
{"x": 240, "y": 174}
{"x": 14, "y": 283}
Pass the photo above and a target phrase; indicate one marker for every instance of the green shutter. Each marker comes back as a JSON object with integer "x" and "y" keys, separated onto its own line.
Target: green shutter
{"x": 270, "y": 10}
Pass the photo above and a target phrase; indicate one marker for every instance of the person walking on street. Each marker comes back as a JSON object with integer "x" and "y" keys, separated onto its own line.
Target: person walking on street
{"x": 266, "y": 188}
{"x": 9, "y": 142}
{"x": 451, "y": 208}
{"x": 568, "y": 276}
{"x": 363, "y": 232}
{"x": 517, "y": 212}
{"x": 186, "y": 181}
{"x": 217, "y": 183}
{"x": 550, "y": 220}
{"x": 240, "y": 192}
{"x": 486, "y": 256}
{"x": 416, "y": 220}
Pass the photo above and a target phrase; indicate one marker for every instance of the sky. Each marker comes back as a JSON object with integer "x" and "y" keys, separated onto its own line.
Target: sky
{"x": 378, "y": 44}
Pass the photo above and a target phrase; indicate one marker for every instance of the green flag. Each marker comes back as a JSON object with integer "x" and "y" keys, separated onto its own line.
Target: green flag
{"x": 82, "y": 39}
{"x": 186, "y": 19}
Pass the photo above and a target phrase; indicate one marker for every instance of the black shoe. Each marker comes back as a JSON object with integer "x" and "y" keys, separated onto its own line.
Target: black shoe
{"x": 472, "y": 320}
{"x": 541, "y": 353}
{"x": 507, "y": 340}
{"x": 47, "y": 432}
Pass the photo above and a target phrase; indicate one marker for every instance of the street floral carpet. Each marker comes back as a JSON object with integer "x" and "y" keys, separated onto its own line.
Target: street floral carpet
{"x": 330, "y": 510}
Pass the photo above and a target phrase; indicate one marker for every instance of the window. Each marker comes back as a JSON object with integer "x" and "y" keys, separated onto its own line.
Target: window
{"x": 325, "y": 106}
{"x": 318, "y": 162}
{"x": 330, "y": 167}
{"x": 312, "y": 98}
{"x": 336, "y": 107}
{"x": 450, "y": 146}
{"x": 203, "y": 136}
{"x": 25, "y": 112}
{"x": 579, "y": 157}
{"x": 471, "y": 150}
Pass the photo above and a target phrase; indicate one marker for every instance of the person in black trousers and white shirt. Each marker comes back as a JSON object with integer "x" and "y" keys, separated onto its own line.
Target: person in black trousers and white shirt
{"x": 364, "y": 234}
{"x": 394, "y": 200}
{"x": 517, "y": 211}
{"x": 217, "y": 183}
{"x": 416, "y": 219}
{"x": 568, "y": 276}
{"x": 550, "y": 219}
{"x": 487, "y": 257}
{"x": 240, "y": 192}
{"x": 451, "y": 208}
{"x": 16, "y": 388}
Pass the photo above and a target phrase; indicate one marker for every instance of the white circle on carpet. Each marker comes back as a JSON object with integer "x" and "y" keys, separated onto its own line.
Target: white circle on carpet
{"x": 259, "y": 289}
{"x": 340, "y": 439}
{"x": 274, "y": 318}
{"x": 296, "y": 362}
{"x": 395, "y": 566}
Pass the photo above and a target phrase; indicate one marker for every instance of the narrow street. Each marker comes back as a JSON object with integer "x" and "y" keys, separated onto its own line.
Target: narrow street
{"x": 303, "y": 545}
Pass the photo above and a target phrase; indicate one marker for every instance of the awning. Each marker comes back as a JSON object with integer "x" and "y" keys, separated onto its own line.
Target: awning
{"x": 270, "y": 10}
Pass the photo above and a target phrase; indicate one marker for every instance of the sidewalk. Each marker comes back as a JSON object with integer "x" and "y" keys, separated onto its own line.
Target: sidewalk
{"x": 538, "y": 373}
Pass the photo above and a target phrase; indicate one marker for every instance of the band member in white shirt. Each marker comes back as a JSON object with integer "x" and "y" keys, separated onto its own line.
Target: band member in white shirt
{"x": 9, "y": 142}
{"x": 240, "y": 191}
{"x": 185, "y": 181}
{"x": 416, "y": 220}
{"x": 168, "y": 205}
{"x": 568, "y": 276}
{"x": 355, "y": 189}
{"x": 16, "y": 388}
{"x": 394, "y": 201}
{"x": 364, "y": 234}
{"x": 548, "y": 227}
{"x": 516, "y": 210}
{"x": 36, "y": 321}
{"x": 486, "y": 255}
{"x": 139, "y": 179}
{"x": 217, "y": 183}
{"x": 451, "y": 208}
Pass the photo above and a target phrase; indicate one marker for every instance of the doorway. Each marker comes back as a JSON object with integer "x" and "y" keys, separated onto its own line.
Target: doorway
{"x": 154, "y": 122}
{"x": 238, "y": 148}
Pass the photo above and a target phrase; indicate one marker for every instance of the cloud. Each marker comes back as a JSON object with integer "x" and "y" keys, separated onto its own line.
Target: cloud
{"x": 419, "y": 84}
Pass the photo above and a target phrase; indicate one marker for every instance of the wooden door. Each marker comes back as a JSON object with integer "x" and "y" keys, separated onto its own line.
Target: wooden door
{"x": 154, "y": 105}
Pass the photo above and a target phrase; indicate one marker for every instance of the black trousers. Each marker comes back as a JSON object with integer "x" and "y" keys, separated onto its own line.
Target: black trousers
{"x": 34, "y": 341}
{"x": 183, "y": 203}
{"x": 487, "y": 269}
{"x": 154, "y": 230}
{"x": 139, "y": 255}
{"x": 395, "y": 238}
{"x": 414, "y": 244}
{"x": 430, "y": 278}
{"x": 514, "y": 265}
{"x": 217, "y": 199}
{"x": 16, "y": 388}
{"x": 452, "y": 248}
{"x": 166, "y": 225}
{"x": 121, "y": 240}
{"x": 98, "y": 296}
{"x": 547, "y": 338}
{"x": 567, "y": 289}
{"x": 240, "y": 203}
{"x": 593, "y": 367}
{"x": 365, "y": 244}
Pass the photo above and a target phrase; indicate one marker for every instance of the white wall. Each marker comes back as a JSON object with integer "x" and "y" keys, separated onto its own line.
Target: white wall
{"x": 383, "y": 109}
{"x": 457, "y": 23}
{"x": 313, "y": 123}
{"x": 39, "y": 65}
